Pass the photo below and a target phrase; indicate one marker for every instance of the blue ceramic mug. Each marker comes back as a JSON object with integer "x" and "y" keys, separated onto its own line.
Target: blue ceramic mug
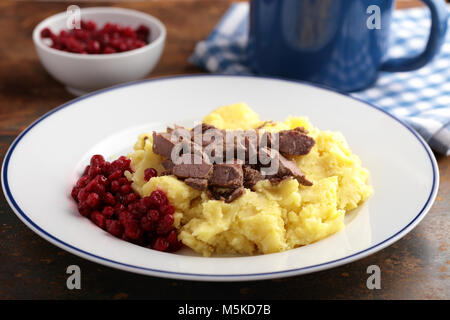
{"x": 338, "y": 43}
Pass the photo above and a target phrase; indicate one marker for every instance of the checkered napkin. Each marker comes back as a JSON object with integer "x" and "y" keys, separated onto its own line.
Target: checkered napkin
{"x": 420, "y": 98}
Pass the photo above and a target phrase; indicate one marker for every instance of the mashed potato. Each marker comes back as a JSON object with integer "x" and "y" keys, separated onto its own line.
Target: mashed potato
{"x": 272, "y": 218}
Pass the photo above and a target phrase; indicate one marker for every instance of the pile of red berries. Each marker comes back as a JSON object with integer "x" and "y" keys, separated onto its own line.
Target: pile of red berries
{"x": 105, "y": 196}
{"x": 111, "y": 38}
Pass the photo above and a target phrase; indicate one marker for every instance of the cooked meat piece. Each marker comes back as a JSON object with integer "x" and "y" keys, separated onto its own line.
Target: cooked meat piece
{"x": 163, "y": 144}
{"x": 199, "y": 184}
{"x": 167, "y": 164}
{"x": 235, "y": 194}
{"x": 251, "y": 176}
{"x": 285, "y": 168}
{"x": 225, "y": 194}
{"x": 202, "y": 171}
{"x": 227, "y": 175}
{"x": 209, "y": 134}
{"x": 192, "y": 166}
{"x": 294, "y": 142}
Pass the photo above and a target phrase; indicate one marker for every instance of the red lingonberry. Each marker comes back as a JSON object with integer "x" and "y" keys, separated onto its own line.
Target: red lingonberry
{"x": 125, "y": 216}
{"x": 165, "y": 224}
{"x": 146, "y": 224}
{"x": 149, "y": 173}
{"x": 143, "y": 32}
{"x": 115, "y": 175}
{"x": 140, "y": 206}
{"x": 132, "y": 208}
{"x": 95, "y": 186}
{"x": 120, "y": 197}
{"x": 46, "y": 33}
{"x": 109, "y": 49}
{"x": 153, "y": 215}
{"x": 88, "y": 25}
{"x": 175, "y": 246}
{"x": 123, "y": 47}
{"x": 82, "y": 182}
{"x": 115, "y": 43}
{"x": 119, "y": 207}
{"x": 80, "y": 34}
{"x": 94, "y": 171}
{"x": 161, "y": 244}
{"x": 128, "y": 32}
{"x": 167, "y": 209}
{"x": 74, "y": 45}
{"x": 93, "y": 46}
{"x": 74, "y": 193}
{"x": 101, "y": 179}
{"x": 172, "y": 237}
{"x": 131, "y": 197}
{"x": 125, "y": 188}
{"x": 114, "y": 186}
{"x": 82, "y": 195}
{"x": 93, "y": 200}
{"x": 63, "y": 34}
{"x": 106, "y": 168}
{"x": 138, "y": 44}
{"x": 108, "y": 198}
{"x": 108, "y": 211}
{"x": 132, "y": 230}
{"x": 98, "y": 219}
{"x": 114, "y": 227}
{"x": 158, "y": 198}
{"x": 86, "y": 170}
{"x": 147, "y": 202}
{"x": 83, "y": 209}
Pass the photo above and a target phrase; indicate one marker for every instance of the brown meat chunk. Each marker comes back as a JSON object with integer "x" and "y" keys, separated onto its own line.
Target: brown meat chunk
{"x": 201, "y": 171}
{"x": 163, "y": 144}
{"x": 286, "y": 167}
{"x": 167, "y": 164}
{"x": 225, "y": 194}
{"x": 192, "y": 166}
{"x": 235, "y": 194}
{"x": 251, "y": 176}
{"x": 209, "y": 134}
{"x": 295, "y": 142}
{"x": 227, "y": 175}
{"x": 199, "y": 184}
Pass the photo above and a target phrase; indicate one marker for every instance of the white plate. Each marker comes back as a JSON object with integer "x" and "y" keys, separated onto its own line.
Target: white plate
{"x": 45, "y": 160}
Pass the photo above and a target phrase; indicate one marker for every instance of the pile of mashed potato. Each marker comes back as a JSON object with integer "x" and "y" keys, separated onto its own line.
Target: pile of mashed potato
{"x": 272, "y": 218}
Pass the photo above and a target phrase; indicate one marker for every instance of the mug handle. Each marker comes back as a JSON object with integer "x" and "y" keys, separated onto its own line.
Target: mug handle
{"x": 439, "y": 17}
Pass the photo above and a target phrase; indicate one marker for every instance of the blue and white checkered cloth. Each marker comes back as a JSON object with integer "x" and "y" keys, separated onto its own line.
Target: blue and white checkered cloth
{"x": 420, "y": 98}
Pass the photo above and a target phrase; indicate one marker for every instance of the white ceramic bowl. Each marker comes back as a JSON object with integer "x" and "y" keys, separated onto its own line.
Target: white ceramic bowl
{"x": 82, "y": 73}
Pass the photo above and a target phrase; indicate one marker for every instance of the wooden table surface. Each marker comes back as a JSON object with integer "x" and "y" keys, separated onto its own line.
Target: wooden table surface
{"x": 416, "y": 267}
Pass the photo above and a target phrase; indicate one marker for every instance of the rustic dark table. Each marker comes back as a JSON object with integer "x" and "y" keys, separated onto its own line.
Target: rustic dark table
{"x": 416, "y": 267}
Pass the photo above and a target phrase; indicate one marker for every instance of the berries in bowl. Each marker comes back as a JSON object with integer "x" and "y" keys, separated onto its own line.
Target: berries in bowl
{"x": 88, "y": 39}
{"x": 113, "y": 45}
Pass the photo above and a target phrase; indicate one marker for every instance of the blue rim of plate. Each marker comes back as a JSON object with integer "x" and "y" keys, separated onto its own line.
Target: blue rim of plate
{"x": 192, "y": 276}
